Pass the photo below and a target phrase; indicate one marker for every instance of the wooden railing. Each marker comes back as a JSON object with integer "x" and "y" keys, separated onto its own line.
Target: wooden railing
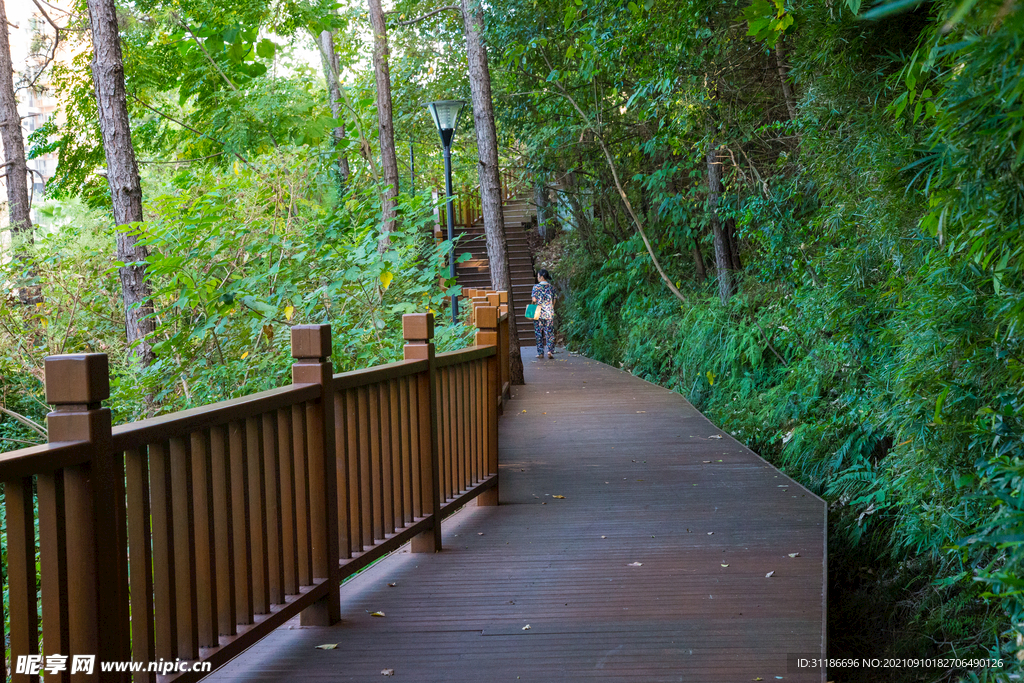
{"x": 467, "y": 208}
{"x": 211, "y": 527}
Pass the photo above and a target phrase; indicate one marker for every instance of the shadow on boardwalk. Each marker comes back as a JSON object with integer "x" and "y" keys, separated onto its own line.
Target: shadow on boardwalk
{"x": 651, "y": 568}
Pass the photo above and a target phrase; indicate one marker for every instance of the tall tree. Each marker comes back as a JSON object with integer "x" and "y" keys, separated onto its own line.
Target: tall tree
{"x": 122, "y": 175}
{"x": 723, "y": 256}
{"x": 489, "y": 171}
{"x": 331, "y": 75}
{"x": 388, "y": 155}
{"x": 16, "y": 170}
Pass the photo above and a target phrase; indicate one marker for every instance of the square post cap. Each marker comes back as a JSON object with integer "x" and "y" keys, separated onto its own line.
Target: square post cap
{"x": 311, "y": 341}
{"x": 486, "y": 317}
{"x": 79, "y": 378}
{"x": 418, "y": 327}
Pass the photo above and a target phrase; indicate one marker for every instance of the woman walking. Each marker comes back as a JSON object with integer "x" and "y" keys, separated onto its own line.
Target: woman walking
{"x": 544, "y": 325}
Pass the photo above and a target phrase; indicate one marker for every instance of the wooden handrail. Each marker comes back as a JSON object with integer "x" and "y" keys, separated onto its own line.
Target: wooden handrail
{"x": 214, "y": 525}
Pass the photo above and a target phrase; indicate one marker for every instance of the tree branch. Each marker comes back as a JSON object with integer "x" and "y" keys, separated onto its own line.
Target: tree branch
{"x": 618, "y": 185}
{"x": 429, "y": 14}
{"x": 186, "y": 126}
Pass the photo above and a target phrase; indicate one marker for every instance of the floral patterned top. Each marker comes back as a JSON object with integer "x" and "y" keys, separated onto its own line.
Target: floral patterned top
{"x": 544, "y": 293}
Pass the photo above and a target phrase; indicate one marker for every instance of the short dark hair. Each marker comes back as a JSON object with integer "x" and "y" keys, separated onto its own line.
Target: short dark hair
{"x": 544, "y": 274}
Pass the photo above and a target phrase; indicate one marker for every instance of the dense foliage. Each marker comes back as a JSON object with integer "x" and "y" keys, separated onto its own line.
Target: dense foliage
{"x": 873, "y": 347}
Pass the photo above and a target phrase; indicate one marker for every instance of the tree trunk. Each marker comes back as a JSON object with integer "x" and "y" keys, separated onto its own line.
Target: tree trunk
{"x": 540, "y": 199}
{"x": 722, "y": 259}
{"x": 388, "y": 155}
{"x": 14, "y": 155}
{"x": 331, "y": 76}
{"x": 780, "y": 64}
{"x": 734, "y": 245}
{"x": 122, "y": 175}
{"x": 490, "y": 174}
{"x": 698, "y": 262}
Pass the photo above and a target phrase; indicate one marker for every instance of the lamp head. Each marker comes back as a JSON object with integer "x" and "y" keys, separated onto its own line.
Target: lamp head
{"x": 446, "y": 114}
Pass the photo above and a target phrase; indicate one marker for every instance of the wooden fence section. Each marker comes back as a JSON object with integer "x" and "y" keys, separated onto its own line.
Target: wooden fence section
{"x": 212, "y": 526}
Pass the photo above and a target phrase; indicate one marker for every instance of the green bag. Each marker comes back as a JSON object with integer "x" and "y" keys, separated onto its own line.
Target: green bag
{"x": 533, "y": 311}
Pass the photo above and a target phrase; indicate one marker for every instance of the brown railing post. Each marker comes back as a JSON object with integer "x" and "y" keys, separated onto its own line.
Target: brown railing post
{"x": 418, "y": 330}
{"x": 487, "y": 334}
{"x": 311, "y": 348}
{"x": 96, "y": 572}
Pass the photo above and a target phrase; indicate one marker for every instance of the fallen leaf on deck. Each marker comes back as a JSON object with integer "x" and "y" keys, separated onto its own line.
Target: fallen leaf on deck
{"x": 327, "y": 646}
{"x": 713, "y": 436}
{"x": 376, "y": 614}
{"x": 526, "y": 628}
{"x": 769, "y": 574}
{"x": 708, "y": 461}
{"x": 392, "y": 585}
{"x": 794, "y": 554}
{"x": 641, "y": 411}
{"x": 711, "y": 533}
{"x": 558, "y": 496}
{"x": 635, "y": 564}
{"x": 387, "y": 672}
{"x": 725, "y": 565}
{"x": 604, "y": 537}
{"x": 479, "y": 533}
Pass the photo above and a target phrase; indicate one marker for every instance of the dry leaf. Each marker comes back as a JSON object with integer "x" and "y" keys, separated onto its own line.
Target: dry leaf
{"x": 327, "y": 646}
{"x": 558, "y": 496}
{"x": 715, "y": 436}
{"x": 392, "y": 585}
{"x": 708, "y": 462}
{"x": 769, "y": 574}
{"x": 526, "y": 628}
{"x": 794, "y": 554}
{"x": 604, "y": 537}
{"x": 635, "y": 564}
{"x": 376, "y": 614}
{"x": 387, "y": 672}
{"x": 711, "y": 533}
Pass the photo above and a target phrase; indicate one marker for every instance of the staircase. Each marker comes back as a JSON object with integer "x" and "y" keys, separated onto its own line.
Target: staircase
{"x": 476, "y": 273}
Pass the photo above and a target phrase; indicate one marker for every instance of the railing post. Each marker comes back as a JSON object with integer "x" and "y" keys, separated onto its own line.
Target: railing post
{"x": 487, "y": 334}
{"x": 311, "y": 349}
{"x": 418, "y": 330}
{"x": 94, "y": 518}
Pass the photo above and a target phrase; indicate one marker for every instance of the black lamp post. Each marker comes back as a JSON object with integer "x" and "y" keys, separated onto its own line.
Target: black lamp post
{"x": 446, "y": 117}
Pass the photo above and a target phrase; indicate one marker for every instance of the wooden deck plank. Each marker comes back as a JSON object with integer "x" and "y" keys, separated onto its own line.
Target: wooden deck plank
{"x": 643, "y": 481}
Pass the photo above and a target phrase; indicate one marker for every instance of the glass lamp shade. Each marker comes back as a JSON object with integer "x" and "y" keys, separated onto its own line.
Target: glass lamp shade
{"x": 446, "y": 114}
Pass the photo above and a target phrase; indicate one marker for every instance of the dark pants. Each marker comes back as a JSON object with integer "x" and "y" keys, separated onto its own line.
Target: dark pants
{"x": 544, "y": 331}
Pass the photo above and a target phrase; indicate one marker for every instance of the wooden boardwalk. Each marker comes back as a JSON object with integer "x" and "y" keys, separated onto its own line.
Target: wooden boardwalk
{"x": 652, "y": 567}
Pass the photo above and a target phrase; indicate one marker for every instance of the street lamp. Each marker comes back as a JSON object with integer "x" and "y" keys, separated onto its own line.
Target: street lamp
{"x": 446, "y": 117}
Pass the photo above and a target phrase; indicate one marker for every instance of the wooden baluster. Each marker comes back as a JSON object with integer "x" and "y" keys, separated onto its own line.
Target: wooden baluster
{"x": 311, "y": 347}
{"x": 405, "y": 427}
{"x": 258, "y": 569}
{"x": 184, "y": 547}
{"x": 301, "y": 472}
{"x": 474, "y": 425}
{"x": 463, "y": 424}
{"x": 363, "y": 488}
{"x": 356, "y": 433}
{"x": 444, "y": 424}
{"x": 343, "y": 452}
{"x": 272, "y": 482}
{"x": 418, "y": 330}
{"x": 223, "y": 531}
{"x": 374, "y": 477}
{"x": 289, "y": 546}
{"x": 91, "y": 496}
{"x": 397, "y": 491}
{"x": 238, "y": 448}
{"x": 386, "y": 474}
{"x": 165, "y": 603}
{"x": 488, "y": 335}
{"x": 205, "y": 543}
{"x": 21, "y": 573}
{"x": 415, "y": 444}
